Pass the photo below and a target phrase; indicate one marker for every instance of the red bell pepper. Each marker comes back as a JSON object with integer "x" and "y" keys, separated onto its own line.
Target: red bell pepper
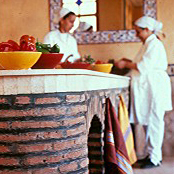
{"x": 9, "y": 46}
{"x": 27, "y": 43}
{"x": 14, "y": 44}
{"x": 5, "y": 46}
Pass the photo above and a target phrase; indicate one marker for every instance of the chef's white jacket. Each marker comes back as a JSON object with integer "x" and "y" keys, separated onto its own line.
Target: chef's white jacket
{"x": 66, "y": 42}
{"x": 150, "y": 86}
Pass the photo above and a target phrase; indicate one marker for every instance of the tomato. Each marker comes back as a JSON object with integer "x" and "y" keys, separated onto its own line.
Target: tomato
{"x": 99, "y": 62}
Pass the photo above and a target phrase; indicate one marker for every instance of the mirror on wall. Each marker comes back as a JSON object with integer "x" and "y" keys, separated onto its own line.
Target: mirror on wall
{"x": 108, "y": 30}
{"x": 118, "y": 14}
{"x": 133, "y": 9}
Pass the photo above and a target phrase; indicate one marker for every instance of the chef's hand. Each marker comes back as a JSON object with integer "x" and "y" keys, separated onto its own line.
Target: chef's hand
{"x": 77, "y": 60}
{"x": 121, "y": 64}
{"x": 126, "y": 63}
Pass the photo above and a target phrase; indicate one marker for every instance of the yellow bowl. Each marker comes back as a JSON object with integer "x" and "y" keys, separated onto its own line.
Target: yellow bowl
{"x": 102, "y": 67}
{"x": 18, "y": 60}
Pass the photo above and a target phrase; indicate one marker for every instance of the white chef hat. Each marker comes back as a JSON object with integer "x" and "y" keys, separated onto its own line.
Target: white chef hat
{"x": 64, "y": 12}
{"x": 150, "y": 23}
{"x": 83, "y": 26}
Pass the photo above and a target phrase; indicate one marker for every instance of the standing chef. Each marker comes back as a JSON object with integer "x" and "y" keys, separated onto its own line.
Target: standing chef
{"x": 84, "y": 27}
{"x": 150, "y": 88}
{"x": 62, "y": 37}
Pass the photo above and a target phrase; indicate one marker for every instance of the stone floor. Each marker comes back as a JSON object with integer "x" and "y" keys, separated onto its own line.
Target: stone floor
{"x": 167, "y": 167}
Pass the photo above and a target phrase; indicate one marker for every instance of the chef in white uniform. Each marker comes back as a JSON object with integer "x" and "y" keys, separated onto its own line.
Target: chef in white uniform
{"x": 150, "y": 88}
{"x": 61, "y": 36}
{"x": 84, "y": 27}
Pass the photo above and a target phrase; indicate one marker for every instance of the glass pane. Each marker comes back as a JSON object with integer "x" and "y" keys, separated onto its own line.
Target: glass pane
{"x": 87, "y": 8}
{"x": 69, "y": 1}
{"x": 90, "y": 20}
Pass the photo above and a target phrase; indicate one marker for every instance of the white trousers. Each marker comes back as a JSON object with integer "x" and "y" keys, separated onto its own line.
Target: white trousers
{"x": 149, "y": 138}
{"x": 155, "y": 136}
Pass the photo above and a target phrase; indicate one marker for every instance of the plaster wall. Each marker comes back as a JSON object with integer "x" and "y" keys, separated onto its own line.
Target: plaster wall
{"x": 23, "y": 17}
{"x": 32, "y": 17}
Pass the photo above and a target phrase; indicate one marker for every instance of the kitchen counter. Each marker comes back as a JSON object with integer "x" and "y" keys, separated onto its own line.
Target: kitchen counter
{"x": 53, "y": 120}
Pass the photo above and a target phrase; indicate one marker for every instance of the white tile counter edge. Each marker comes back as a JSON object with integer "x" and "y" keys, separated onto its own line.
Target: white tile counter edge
{"x": 57, "y": 80}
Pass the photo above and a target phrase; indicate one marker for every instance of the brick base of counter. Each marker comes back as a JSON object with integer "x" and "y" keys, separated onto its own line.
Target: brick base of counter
{"x": 54, "y": 133}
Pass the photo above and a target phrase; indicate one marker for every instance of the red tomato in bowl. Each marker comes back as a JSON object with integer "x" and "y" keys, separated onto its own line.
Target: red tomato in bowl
{"x": 99, "y": 62}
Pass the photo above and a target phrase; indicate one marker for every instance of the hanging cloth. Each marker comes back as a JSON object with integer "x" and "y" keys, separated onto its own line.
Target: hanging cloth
{"x": 116, "y": 157}
{"x": 126, "y": 130}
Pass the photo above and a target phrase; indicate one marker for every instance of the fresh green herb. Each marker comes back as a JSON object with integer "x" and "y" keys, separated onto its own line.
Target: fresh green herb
{"x": 88, "y": 59}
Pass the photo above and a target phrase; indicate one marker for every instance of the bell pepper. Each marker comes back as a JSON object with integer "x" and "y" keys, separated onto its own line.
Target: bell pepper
{"x": 55, "y": 49}
{"x": 9, "y": 46}
{"x": 27, "y": 43}
{"x": 14, "y": 44}
{"x": 44, "y": 48}
{"x": 5, "y": 46}
{"x": 28, "y": 38}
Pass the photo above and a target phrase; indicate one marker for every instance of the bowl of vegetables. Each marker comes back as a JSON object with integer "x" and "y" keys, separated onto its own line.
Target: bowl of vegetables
{"x": 17, "y": 60}
{"x": 82, "y": 63}
{"x": 50, "y": 57}
{"x": 14, "y": 56}
{"x": 102, "y": 66}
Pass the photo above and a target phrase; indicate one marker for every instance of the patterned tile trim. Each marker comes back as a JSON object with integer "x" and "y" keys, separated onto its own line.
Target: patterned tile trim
{"x": 102, "y": 36}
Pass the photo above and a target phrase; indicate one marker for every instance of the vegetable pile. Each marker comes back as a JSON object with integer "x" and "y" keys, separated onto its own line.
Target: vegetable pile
{"x": 28, "y": 43}
{"x": 87, "y": 59}
{"x": 90, "y": 60}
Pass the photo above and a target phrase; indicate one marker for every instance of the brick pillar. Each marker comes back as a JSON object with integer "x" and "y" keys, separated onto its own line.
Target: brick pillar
{"x": 43, "y": 134}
